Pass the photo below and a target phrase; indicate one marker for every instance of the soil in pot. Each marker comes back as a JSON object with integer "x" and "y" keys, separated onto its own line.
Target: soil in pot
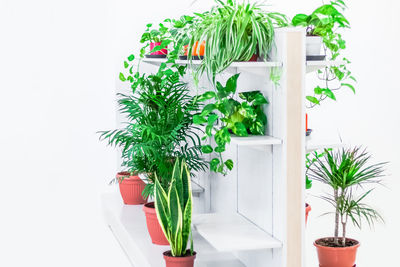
{"x": 332, "y": 255}
{"x": 153, "y": 226}
{"x": 131, "y": 188}
{"x": 185, "y": 261}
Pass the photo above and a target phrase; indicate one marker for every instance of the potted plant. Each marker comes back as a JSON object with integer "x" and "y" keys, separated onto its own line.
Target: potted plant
{"x": 158, "y": 41}
{"x": 174, "y": 211}
{"x": 224, "y": 116}
{"x": 131, "y": 188}
{"x": 159, "y": 130}
{"x": 233, "y": 31}
{"x": 324, "y": 26}
{"x": 345, "y": 171}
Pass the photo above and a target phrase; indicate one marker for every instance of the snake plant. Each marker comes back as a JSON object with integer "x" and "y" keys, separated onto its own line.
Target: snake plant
{"x": 174, "y": 209}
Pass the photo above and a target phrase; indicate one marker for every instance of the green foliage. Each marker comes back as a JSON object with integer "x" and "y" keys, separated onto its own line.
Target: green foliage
{"x": 225, "y": 115}
{"x": 326, "y": 21}
{"x": 161, "y": 34}
{"x": 174, "y": 208}
{"x": 345, "y": 171}
{"x": 311, "y": 158}
{"x": 159, "y": 127}
{"x": 233, "y": 31}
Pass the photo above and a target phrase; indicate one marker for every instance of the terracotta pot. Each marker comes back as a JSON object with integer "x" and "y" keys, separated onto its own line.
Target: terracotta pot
{"x": 186, "y": 261}
{"x": 337, "y": 256}
{"x": 308, "y": 209}
{"x": 161, "y": 52}
{"x": 153, "y": 226}
{"x": 131, "y": 188}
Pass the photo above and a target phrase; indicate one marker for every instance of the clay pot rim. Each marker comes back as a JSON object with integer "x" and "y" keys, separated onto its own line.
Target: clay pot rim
{"x": 308, "y": 207}
{"x": 149, "y": 210}
{"x": 184, "y": 258}
{"x": 336, "y": 248}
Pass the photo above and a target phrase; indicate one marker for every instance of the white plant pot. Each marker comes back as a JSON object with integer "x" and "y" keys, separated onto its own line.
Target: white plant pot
{"x": 313, "y": 45}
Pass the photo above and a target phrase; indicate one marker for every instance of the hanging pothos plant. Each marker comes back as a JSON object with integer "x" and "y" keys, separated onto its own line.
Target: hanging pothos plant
{"x": 326, "y": 22}
{"x": 224, "y": 115}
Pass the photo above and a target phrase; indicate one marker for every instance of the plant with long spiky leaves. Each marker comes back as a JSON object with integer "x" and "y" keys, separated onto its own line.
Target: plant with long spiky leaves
{"x": 345, "y": 170}
{"x": 174, "y": 209}
{"x": 159, "y": 127}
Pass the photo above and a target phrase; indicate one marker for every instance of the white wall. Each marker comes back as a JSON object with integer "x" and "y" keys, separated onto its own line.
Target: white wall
{"x": 58, "y": 63}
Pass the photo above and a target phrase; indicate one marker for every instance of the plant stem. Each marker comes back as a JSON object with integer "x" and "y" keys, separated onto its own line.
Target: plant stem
{"x": 336, "y": 235}
{"x": 344, "y": 234}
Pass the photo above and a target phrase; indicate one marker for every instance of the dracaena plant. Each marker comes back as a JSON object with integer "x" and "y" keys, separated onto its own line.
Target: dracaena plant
{"x": 224, "y": 115}
{"x": 159, "y": 127}
{"x": 311, "y": 158}
{"x": 174, "y": 209}
{"x": 346, "y": 171}
{"x": 327, "y": 21}
{"x": 233, "y": 31}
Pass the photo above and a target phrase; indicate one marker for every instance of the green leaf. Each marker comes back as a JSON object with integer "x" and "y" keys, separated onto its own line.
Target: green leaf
{"x": 240, "y": 129}
{"x": 206, "y": 96}
{"x": 229, "y": 164}
{"x": 126, "y": 64}
{"x": 318, "y": 90}
{"x": 207, "y": 149}
{"x": 212, "y": 118}
{"x": 350, "y": 86}
{"x": 131, "y": 57}
{"x": 198, "y": 119}
{"x": 300, "y": 20}
{"x": 220, "y": 149}
{"x": 231, "y": 83}
{"x": 260, "y": 100}
{"x": 122, "y": 77}
{"x": 208, "y": 109}
{"x": 214, "y": 164}
{"x": 329, "y": 93}
{"x": 312, "y": 99}
{"x": 222, "y": 136}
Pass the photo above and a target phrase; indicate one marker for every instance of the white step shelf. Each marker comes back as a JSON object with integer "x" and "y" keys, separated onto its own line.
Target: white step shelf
{"x": 246, "y": 64}
{"x": 255, "y": 140}
{"x": 313, "y": 65}
{"x": 128, "y": 224}
{"x": 314, "y": 142}
{"x": 233, "y": 232}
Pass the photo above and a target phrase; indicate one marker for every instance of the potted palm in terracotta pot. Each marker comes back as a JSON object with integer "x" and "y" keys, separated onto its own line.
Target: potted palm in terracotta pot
{"x": 174, "y": 211}
{"x": 346, "y": 172}
{"x": 161, "y": 130}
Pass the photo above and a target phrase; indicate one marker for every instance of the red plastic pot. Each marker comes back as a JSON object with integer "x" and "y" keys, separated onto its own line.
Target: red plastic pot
{"x": 131, "y": 188}
{"x": 308, "y": 209}
{"x": 161, "y": 52}
{"x": 153, "y": 226}
{"x": 186, "y": 261}
{"x": 337, "y": 256}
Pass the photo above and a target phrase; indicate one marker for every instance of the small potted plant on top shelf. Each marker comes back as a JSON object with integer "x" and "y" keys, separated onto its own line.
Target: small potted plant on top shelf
{"x": 158, "y": 41}
{"x": 345, "y": 172}
{"x": 224, "y": 116}
{"x": 174, "y": 211}
{"x": 321, "y": 26}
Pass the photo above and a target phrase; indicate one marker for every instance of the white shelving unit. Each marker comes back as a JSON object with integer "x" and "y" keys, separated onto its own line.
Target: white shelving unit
{"x": 254, "y": 216}
{"x": 232, "y": 232}
{"x": 128, "y": 224}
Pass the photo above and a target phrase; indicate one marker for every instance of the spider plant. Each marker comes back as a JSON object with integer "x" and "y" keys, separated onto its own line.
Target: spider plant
{"x": 234, "y": 31}
{"x": 344, "y": 171}
{"x": 159, "y": 128}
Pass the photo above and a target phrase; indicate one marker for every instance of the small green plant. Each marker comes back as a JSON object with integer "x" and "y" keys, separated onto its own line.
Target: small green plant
{"x": 233, "y": 31}
{"x": 225, "y": 115}
{"x": 327, "y": 21}
{"x": 159, "y": 127}
{"x": 345, "y": 171}
{"x": 174, "y": 209}
{"x": 160, "y": 35}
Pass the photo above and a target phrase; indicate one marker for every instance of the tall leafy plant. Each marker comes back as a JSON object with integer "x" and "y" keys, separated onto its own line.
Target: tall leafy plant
{"x": 224, "y": 115}
{"x": 159, "y": 127}
{"x": 233, "y": 31}
{"x": 345, "y": 171}
{"x": 174, "y": 209}
{"x": 327, "y": 21}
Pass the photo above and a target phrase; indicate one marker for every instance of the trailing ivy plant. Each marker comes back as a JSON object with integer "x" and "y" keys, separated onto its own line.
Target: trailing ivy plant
{"x": 158, "y": 35}
{"x": 159, "y": 127}
{"x": 327, "y": 21}
{"x": 233, "y": 31}
{"x": 224, "y": 115}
